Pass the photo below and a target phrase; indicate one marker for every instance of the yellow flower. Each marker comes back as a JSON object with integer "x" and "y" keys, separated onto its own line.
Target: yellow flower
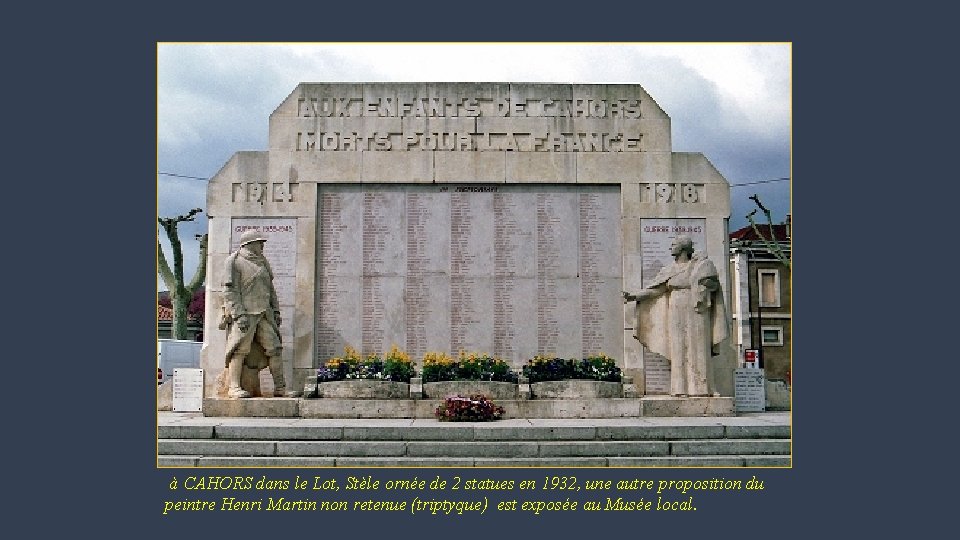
{"x": 436, "y": 358}
{"x": 351, "y": 355}
{"x": 397, "y": 355}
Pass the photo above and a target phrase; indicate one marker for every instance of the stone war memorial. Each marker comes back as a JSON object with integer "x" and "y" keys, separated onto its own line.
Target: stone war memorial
{"x": 516, "y": 220}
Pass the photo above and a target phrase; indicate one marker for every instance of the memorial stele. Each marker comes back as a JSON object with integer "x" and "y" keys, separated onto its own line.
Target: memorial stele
{"x": 504, "y": 218}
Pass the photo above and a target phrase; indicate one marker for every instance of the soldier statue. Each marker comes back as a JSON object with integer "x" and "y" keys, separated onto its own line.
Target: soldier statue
{"x": 251, "y": 316}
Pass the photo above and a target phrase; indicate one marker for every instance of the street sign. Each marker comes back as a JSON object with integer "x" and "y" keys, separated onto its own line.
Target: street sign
{"x": 751, "y": 358}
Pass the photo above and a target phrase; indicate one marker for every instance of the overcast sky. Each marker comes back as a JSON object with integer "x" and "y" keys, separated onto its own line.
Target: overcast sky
{"x": 729, "y": 101}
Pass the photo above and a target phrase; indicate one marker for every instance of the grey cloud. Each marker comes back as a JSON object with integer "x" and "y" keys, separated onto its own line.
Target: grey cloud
{"x": 215, "y": 100}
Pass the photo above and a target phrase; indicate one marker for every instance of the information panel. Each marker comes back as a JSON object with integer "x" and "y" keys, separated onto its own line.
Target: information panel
{"x": 509, "y": 270}
{"x": 749, "y": 391}
{"x": 187, "y": 390}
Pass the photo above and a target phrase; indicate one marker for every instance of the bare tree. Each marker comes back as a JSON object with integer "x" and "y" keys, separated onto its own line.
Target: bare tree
{"x": 772, "y": 245}
{"x": 180, "y": 294}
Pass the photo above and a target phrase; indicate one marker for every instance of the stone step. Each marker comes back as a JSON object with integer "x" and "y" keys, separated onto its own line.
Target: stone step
{"x": 758, "y": 440}
{"x": 278, "y": 431}
{"x": 472, "y": 449}
{"x": 398, "y": 461}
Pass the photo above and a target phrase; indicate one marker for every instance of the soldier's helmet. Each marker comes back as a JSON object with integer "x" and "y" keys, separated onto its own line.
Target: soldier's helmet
{"x": 251, "y": 235}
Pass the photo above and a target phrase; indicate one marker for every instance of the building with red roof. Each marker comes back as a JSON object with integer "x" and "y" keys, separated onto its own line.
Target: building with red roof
{"x": 761, "y": 295}
{"x": 165, "y": 322}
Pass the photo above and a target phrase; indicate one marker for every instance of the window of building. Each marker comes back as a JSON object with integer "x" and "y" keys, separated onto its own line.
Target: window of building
{"x": 769, "y": 281}
{"x": 772, "y": 335}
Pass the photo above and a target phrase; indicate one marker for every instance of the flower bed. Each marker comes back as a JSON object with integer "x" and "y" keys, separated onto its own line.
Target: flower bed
{"x": 352, "y": 377}
{"x": 395, "y": 366}
{"x": 557, "y": 378}
{"x": 470, "y": 374}
{"x": 594, "y": 368}
{"x": 476, "y": 408}
{"x": 467, "y": 367}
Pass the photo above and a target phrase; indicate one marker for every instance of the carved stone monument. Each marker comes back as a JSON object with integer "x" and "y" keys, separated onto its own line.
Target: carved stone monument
{"x": 503, "y": 218}
{"x": 681, "y": 316}
{"x": 251, "y": 318}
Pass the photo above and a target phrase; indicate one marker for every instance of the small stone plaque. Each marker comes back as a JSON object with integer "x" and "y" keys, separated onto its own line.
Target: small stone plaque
{"x": 749, "y": 390}
{"x": 187, "y": 390}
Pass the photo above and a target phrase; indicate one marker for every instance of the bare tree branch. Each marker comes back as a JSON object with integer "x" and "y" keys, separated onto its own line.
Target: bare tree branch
{"x": 180, "y": 294}
{"x": 164, "y": 269}
{"x": 201, "y": 273}
{"x": 771, "y": 244}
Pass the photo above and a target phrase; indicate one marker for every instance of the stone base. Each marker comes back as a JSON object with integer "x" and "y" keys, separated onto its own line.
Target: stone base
{"x": 494, "y": 390}
{"x": 363, "y": 389}
{"x": 777, "y": 394}
{"x": 575, "y": 389}
{"x": 358, "y": 408}
{"x": 258, "y": 382}
{"x": 255, "y": 407}
{"x": 649, "y": 406}
{"x": 165, "y": 396}
{"x": 686, "y": 406}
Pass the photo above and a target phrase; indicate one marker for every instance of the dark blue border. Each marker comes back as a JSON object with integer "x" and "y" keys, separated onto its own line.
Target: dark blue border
{"x": 97, "y": 95}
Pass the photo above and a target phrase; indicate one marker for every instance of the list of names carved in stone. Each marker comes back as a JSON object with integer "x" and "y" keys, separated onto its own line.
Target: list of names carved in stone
{"x": 339, "y": 225}
{"x": 514, "y": 274}
{"x": 591, "y": 219}
{"x": 549, "y": 251}
{"x": 334, "y": 232}
{"x": 512, "y": 270}
{"x": 469, "y": 253}
{"x": 381, "y": 219}
{"x": 425, "y": 288}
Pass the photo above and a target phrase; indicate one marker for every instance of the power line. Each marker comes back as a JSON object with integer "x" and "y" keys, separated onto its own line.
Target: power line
{"x": 181, "y": 176}
{"x": 760, "y": 182}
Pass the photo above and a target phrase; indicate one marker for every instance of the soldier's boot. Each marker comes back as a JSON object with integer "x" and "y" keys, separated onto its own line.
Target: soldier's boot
{"x": 234, "y": 370}
{"x": 279, "y": 386}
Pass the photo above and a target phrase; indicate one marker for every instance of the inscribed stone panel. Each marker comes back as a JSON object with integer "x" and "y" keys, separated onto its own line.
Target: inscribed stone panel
{"x": 509, "y": 270}
{"x": 384, "y": 313}
{"x": 339, "y": 315}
